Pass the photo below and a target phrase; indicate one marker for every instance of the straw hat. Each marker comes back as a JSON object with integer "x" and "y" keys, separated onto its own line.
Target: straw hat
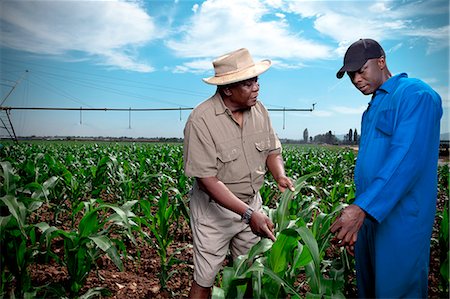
{"x": 236, "y": 66}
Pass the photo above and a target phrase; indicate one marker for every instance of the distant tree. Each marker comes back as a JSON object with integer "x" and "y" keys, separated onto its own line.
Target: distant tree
{"x": 305, "y": 135}
{"x": 350, "y": 135}
{"x": 310, "y": 139}
{"x": 328, "y": 138}
{"x": 355, "y": 136}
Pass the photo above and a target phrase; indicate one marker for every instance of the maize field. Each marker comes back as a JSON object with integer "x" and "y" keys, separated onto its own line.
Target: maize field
{"x": 111, "y": 220}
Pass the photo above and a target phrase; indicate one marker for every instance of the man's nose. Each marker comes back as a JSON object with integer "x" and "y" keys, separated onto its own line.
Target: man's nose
{"x": 356, "y": 77}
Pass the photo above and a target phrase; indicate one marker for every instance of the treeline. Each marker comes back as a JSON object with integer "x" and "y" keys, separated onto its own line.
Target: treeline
{"x": 351, "y": 137}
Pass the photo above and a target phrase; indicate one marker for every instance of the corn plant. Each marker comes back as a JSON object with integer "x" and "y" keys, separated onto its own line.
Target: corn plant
{"x": 162, "y": 224}
{"x": 17, "y": 235}
{"x": 83, "y": 246}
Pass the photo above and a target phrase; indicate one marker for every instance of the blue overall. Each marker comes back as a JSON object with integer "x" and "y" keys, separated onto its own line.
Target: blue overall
{"x": 396, "y": 185}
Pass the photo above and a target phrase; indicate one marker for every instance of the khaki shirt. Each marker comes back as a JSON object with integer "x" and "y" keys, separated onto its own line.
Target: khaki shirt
{"x": 216, "y": 146}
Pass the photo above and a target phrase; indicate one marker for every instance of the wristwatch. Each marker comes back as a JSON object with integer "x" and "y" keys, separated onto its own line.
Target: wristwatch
{"x": 247, "y": 215}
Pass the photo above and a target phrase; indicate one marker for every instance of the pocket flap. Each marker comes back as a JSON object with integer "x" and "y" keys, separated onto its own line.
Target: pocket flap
{"x": 385, "y": 122}
{"x": 228, "y": 154}
{"x": 263, "y": 145}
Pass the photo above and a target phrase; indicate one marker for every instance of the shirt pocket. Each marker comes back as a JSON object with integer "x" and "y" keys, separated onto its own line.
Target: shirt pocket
{"x": 228, "y": 168}
{"x": 262, "y": 147}
{"x": 385, "y": 124}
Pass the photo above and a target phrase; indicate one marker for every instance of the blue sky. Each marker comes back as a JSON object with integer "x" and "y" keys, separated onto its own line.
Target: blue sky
{"x": 153, "y": 54}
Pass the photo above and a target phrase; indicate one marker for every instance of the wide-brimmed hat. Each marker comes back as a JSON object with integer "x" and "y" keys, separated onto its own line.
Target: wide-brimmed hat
{"x": 358, "y": 54}
{"x": 236, "y": 66}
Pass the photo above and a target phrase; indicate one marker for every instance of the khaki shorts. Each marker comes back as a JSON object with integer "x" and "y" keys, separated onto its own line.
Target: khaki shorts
{"x": 215, "y": 230}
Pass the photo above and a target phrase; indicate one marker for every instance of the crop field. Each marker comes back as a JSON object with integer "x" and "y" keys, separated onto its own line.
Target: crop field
{"x": 111, "y": 220}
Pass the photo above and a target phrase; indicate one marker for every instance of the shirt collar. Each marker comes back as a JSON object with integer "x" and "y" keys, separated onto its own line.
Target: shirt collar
{"x": 389, "y": 85}
{"x": 220, "y": 108}
{"x": 219, "y": 105}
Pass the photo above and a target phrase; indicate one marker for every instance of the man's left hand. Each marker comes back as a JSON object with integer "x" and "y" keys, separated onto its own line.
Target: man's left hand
{"x": 347, "y": 225}
{"x": 285, "y": 182}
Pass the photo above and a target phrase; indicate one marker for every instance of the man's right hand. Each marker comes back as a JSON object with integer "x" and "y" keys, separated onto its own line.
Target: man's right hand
{"x": 262, "y": 226}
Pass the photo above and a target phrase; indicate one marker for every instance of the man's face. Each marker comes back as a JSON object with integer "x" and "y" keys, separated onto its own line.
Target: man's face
{"x": 369, "y": 77}
{"x": 244, "y": 94}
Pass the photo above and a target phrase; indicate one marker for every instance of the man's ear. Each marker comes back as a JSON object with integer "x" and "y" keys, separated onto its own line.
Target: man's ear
{"x": 381, "y": 63}
{"x": 227, "y": 91}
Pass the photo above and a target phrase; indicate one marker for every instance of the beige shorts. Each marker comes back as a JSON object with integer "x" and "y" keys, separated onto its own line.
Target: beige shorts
{"x": 215, "y": 230}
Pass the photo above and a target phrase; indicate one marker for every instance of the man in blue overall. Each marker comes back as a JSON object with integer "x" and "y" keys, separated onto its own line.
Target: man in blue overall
{"x": 389, "y": 224}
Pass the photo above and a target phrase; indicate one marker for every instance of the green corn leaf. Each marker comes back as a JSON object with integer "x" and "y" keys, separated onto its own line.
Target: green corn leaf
{"x": 282, "y": 211}
{"x": 313, "y": 278}
{"x": 312, "y": 269}
{"x": 88, "y": 224}
{"x": 444, "y": 232}
{"x": 303, "y": 256}
{"x": 311, "y": 242}
{"x": 259, "y": 248}
{"x": 17, "y": 210}
{"x": 145, "y": 206}
{"x": 44, "y": 191}
{"x": 286, "y": 285}
{"x": 105, "y": 244}
{"x": 281, "y": 254}
{"x": 217, "y": 293}
{"x": 8, "y": 175}
{"x": 21, "y": 250}
{"x": 47, "y": 232}
{"x": 444, "y": 268}
{"x": 4, "y": 220}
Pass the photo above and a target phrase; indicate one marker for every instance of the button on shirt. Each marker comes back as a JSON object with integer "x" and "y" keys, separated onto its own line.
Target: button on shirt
{"x": 216, "y": 146}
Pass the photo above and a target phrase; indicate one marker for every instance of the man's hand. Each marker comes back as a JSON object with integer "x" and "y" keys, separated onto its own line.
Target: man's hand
{"x": 275, "y": 165}
{"x": 285, "y": 182}
{"x": 347, "y": 225}
{"x": 262, "y": 226}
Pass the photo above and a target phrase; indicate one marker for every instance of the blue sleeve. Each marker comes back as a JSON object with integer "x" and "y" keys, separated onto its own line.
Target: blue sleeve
{"x": 411, "y": 144}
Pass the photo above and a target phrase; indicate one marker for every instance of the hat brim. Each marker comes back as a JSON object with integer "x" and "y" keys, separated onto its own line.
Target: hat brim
{"x": 353, "y": 67}
{"x": 242, "y": 75}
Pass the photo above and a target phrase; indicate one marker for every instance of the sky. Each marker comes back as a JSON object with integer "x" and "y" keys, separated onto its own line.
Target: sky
{"x": 154, "y": 54}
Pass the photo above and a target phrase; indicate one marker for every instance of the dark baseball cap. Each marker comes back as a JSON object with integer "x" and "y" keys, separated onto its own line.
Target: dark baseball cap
{"x": 358, "y": 54}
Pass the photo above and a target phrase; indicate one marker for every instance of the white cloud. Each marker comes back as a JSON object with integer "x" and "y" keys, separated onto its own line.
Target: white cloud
{"x": 107, "y": 31}
{"x": 382, "y": 20}
{"x": 349, "y": 110}
{"x": 265, "y": 28}
{"x": 221, "y": 26}
{"x": 195, "y": 66}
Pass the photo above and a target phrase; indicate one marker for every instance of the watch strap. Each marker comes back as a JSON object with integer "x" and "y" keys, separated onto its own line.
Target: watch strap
{"x": 247, "y": 215}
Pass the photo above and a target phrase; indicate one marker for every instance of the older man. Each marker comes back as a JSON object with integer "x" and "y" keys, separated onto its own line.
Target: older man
{"x": 229, "y": 143}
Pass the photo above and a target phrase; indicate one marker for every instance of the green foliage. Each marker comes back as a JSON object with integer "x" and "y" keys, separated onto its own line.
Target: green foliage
{"x": 162, "y": 224}
{"x": 271, "y": 270}
{"x": 17, "y": 236}
{"x": 103, "y": 195}
{"x": 82, "y": 247}
{"x": 443, "y": 234}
